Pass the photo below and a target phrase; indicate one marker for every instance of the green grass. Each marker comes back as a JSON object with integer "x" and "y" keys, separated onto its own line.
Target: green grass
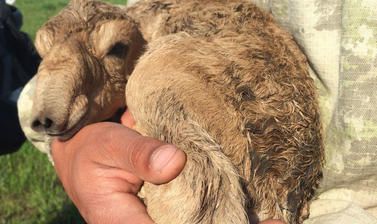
{"x": 30, "y": 191}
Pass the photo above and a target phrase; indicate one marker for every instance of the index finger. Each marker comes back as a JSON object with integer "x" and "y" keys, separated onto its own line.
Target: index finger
{"x": 127, "y": 119}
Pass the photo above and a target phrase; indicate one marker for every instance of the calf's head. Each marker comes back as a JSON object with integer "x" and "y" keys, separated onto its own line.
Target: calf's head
{"x": 88, "y": 51}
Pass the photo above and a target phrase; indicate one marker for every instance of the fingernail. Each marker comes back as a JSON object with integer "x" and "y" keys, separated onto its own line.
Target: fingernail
{"x": 161, "y": 157}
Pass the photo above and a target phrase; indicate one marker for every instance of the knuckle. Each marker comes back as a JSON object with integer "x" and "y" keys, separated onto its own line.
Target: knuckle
{"x": 139, "y": 152}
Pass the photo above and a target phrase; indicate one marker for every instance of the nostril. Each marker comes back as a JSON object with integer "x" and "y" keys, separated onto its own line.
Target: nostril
{"x": 39, "y": 126}
{"x": 36, "y": 124}
{"x": 48, "y": 123}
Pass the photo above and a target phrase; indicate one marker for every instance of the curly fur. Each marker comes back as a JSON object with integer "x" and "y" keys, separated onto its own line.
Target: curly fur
{"x": 217, "y": 78}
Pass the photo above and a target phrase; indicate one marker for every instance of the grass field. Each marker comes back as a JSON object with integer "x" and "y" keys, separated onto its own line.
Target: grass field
{"x": 30, "y": 191}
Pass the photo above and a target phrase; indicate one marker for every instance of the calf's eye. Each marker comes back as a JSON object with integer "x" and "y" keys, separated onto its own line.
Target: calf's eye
{"x": 119, "y": 50}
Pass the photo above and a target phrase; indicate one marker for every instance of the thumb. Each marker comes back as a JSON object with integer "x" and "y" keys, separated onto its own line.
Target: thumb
{"x": 147, "y": 158}
{"x": 164, "y": 158}
{"x": 150, "y": 159}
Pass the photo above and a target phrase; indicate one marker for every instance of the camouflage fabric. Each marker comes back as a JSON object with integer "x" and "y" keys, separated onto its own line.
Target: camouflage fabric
{"x": 339, "y": 38}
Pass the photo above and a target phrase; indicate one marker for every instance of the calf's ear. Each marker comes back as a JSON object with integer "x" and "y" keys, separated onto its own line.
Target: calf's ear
{"x": 59, "y": 26}
{"x": 44, "y": 40}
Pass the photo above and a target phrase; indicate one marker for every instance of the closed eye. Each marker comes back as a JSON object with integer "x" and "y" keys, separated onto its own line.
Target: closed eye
{"x": 118, "y": 50}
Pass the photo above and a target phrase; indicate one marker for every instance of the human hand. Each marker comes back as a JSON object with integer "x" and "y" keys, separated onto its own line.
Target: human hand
{"x": 104, "y": 165}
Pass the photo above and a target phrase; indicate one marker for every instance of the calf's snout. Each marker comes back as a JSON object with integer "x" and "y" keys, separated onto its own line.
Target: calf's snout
{"x": 47, "y": 120}
{"x": 57, "y": 109}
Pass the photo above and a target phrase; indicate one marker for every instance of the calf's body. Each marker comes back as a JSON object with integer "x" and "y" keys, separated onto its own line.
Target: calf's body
{"x": 217, "y": 78}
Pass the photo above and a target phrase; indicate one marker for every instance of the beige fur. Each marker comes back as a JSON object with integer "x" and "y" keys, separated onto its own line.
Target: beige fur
{"x": 216, "y": 78}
